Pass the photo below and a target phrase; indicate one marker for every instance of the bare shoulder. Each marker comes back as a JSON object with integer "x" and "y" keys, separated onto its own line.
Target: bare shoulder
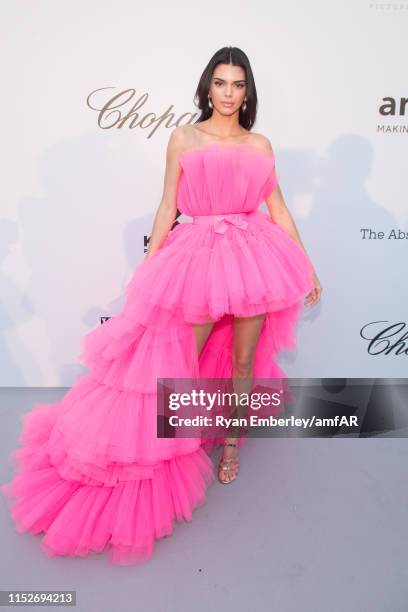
{"x": 181, "y": 137}
{"x": 261, "y": 141}
{"x": 176, "y": 138}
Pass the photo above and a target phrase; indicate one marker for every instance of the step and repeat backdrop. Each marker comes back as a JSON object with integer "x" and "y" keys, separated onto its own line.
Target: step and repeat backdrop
{"x": 91, "y": 93}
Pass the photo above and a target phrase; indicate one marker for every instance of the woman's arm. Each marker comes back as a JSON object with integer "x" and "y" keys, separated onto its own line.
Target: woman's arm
{"x": 167, "y": 209}
{"x": 281, "y": 216}
{"x": 276, "y": 203}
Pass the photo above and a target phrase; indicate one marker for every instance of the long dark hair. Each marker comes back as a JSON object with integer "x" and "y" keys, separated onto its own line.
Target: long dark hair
{"x": 235, "y": 57}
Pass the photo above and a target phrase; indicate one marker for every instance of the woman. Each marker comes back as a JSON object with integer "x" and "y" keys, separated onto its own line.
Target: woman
{"x": 215, "y": 298}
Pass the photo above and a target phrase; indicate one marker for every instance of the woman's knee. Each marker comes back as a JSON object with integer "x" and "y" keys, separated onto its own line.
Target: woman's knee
{"x": 242, "y": 362}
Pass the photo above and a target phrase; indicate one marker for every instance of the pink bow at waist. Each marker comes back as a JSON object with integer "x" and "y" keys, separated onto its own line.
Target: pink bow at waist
{"x": 220, "y": 222}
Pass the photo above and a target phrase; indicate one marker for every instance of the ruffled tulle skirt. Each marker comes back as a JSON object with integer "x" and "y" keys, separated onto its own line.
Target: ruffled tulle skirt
{"x": 90, "y": 471}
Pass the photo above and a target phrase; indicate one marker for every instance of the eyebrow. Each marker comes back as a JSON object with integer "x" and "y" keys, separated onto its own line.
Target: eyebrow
{"x": 239, "y": 80}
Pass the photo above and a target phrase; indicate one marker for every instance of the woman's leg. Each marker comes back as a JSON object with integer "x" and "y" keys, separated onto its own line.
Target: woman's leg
{"x": 246, "y": 334}
{"x": 201, "y": 332}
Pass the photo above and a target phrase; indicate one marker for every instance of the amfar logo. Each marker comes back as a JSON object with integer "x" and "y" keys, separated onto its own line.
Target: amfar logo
{"x": 385, "y": 340}
{"x": 393, "y": 107}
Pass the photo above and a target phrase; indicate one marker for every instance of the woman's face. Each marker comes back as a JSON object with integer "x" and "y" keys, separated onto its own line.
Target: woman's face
{"x": 228, "y": 84}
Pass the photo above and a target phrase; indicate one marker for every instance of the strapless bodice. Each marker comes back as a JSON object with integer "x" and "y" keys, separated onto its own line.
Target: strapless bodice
{"x": 219, "y": 179}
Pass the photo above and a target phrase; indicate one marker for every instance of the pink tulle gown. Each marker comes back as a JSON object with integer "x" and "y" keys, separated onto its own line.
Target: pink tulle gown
{"x": 90, "y": 472}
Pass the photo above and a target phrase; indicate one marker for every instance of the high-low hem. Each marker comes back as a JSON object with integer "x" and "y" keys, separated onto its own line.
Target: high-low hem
{"x": 91, "y": 472}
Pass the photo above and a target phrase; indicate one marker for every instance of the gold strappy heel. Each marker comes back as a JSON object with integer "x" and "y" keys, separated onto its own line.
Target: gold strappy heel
{"x": 228, "y": 464}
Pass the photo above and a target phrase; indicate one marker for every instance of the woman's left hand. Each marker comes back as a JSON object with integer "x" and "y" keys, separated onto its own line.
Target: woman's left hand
{"x": 314, "y": 295}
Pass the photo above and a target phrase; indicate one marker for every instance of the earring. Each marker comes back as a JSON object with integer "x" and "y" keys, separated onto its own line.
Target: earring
{"x": 244, "y": 106}
{"x": 209, "y": 102}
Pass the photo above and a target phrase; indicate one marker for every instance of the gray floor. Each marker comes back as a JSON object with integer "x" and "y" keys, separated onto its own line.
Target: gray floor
{"x": 310, "y": 524}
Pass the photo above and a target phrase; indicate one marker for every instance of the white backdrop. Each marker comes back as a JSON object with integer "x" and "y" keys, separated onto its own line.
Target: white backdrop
{"x": 79, "y": 191}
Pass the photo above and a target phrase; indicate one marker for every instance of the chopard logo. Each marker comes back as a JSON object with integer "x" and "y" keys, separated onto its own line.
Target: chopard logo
{"x": 387, "y": 340}
{"x": 115, "y": 114}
